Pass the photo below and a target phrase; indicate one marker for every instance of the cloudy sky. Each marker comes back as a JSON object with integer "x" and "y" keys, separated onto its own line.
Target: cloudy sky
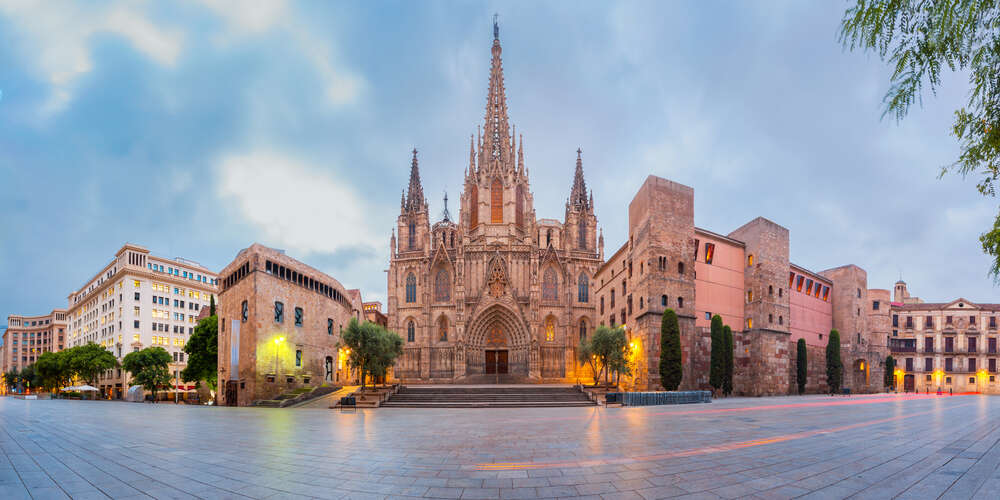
{"x": 195, "y": 128}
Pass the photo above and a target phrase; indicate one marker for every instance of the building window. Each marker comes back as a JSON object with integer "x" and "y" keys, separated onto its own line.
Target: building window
{"x": 298, "y": 316}
{"x": 708, "y": 315}
{"x": 948, "y": 364}
{"x": 809, "y": 286}
{"x": 874, "y": 305}
{"x": 411, "y": 235}
{"x": 947, "y": 320}
{"x": 770, "y": 290}
{"x": 411, "y": 333}
{"x": 749, "y": 323}
{"x": 583, "y": 288}
{"x": 770, "y": 318}
{"x": 928, "y": 364}
{"x": 550, "y": 329}
{"x": 329, "y": 326}
{"x": 474, "y": 207}
{"x": 411, "y": 288}
{"x": 550, "y": 286}
{"x": 602, "y": 306}
{"x": 972, "y": 366}
{"x": 663, "y": 300}
{"x": 136, "y": 295}
{"x": 244, "y": 311}
{"x": 298, "y": 357}
{"x": 799, "y": 282}
{"x": 443, "y": 329}
{"x": 680, "y": 302}
{"x": 496, "y": 202}
{"x": 279, "y": 312}
{"x": 135, "y": 324}
{"x": 709, "y": 252}
{"x": 519, "y": 210}
{"x": 680, "y": 268}
{"x": 750, "y": 260}
{"x": 442, "y": 286}
{"x": 581, "y": 232}
{"x": 583, "y": 330}
{"x": 781, "y": 320}
{"x": 749, "y": 296}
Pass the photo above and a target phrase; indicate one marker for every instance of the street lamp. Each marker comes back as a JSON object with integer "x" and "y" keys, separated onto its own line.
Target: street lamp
{"x": 277, "y": 344}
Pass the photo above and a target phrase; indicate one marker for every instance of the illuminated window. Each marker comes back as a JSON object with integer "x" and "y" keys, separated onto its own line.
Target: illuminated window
{"x": 496, "y": 202}
{"x": 411, "y": 288}
{"x": 137, "y": 283}
{"x": 809, "y": 286}
{"x": 749, "y": 296}
{"x": 550, "y": 285}
{"x": 749, "y": 323}
{"x": 709, "y": 252}
{"x": 550, "y": 329}
{"x": 135, "y": 338}
{"x": 826, "y": 293}
{"x": 798, "y": 283}
{"x": 135, "y": 310}
{"x": 750, "y": 260}
{"x": 816, "y": 290}
{"x": 474, "y": 207}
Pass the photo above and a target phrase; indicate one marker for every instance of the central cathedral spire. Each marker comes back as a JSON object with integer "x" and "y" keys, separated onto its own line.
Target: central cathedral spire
{"x": 496, "y": 148}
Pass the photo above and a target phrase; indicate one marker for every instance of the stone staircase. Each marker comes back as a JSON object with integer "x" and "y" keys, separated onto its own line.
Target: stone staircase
{"x": 485, "y": 396}
{"x": 295, "y": 396}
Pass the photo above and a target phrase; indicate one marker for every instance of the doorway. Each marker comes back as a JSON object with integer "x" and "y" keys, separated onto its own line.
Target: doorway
{"x": 908, "y": 383}
{"x": 496, "y": 362}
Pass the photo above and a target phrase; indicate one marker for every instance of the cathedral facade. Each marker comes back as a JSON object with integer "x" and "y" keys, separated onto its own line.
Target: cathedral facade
{"x": 497, "y": 294}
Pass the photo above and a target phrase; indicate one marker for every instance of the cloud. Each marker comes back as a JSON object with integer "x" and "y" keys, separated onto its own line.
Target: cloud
{"x": 56, "y": 37}
{"x": 296, "y": 205}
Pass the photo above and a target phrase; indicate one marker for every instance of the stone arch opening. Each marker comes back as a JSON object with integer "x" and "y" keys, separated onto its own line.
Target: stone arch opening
{"x": 498, "y": 329}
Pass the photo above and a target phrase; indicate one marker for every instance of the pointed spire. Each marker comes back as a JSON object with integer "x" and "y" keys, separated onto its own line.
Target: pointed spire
{"x": 402, "y": 200}
{"x": 446, "y": 217}
{"x": 415, "y": 195}
{"x": 472, "y": 156}
{"x": 496, "y": 132}
{"x": 578, "y": 195}
{"x": 520, "y": 154}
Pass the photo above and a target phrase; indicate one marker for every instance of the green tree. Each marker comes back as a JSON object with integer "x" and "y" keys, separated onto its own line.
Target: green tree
{"x": 890, "y": 377}
{"x": 11, "y": 378}
{"x": 89, "y": 361}
{"x": 671, "y": 371}
{"x": 373, "y": 349}
{"x": 922, "y": 38}
{"x": 801, "y": 365}
{"x": 203, "y": 353}
{"x": 609, "y": 346}
{"x": 27, "y": 377}
{"x": 834, "y": 368}
{"x": 727, "y": 380}
{"x": 53, "y": 370}
{"x": 717, "y": 360}
{"x": 585, "y": 353}
{"x": 149, "y": 368}
{"x": 211, "y": 305}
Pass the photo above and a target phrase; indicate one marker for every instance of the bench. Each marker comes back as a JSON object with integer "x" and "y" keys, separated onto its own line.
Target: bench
{"x": 348, "y": 402}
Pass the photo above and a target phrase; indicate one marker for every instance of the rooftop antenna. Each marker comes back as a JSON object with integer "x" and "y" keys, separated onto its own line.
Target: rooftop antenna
{"x": 496, "y": 26}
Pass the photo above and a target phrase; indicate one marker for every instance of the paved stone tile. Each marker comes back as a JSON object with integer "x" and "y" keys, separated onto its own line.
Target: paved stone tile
{"x": 756, "y": 448}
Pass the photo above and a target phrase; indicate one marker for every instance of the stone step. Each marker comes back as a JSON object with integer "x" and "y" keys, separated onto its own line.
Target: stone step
{"x": 486, "y": 404}
{"x": 486, "y": 397}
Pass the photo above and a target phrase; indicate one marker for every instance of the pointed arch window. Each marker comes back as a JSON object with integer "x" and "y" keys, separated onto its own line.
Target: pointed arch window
{"x": 411, "y": 288}
{"x": 442, "y": 286}
{"x": 411, "y": 235}
{"x": 583, "y": 330}
{"x": 411, "y": 332}
{"x": 550, "y": 329}
{"x": 519, "y": 207}
{"x": 443, "y": 329}
{"x": 474, "y": 207}
{"x": 550, "y": 285}
{"x": 496, "y": 202}
{"x": 583, "y": 288}
{"x": 581, "y": 232}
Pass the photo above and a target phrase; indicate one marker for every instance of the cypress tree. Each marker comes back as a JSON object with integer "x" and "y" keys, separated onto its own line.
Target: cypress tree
{"x": 801, "y": 365}
{"x": 671, "y": 371}
{"x": 890, "y": 367}
{"x": 727, "y": 379}
{"x": 717, "y": 364}
{"x": 834, "y": 369}
{"x": 211, "y": 305}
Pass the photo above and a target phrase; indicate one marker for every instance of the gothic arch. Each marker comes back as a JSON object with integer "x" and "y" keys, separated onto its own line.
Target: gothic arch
{"x": 550, "y": 284}
{"x": 515, "y": 330}
{"x": 442, "y": 328}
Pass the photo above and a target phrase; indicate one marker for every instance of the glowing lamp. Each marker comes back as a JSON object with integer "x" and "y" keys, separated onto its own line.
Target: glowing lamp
{"x": 279, "y": 340}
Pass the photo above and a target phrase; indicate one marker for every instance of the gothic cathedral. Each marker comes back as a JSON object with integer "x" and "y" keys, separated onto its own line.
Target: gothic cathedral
{"x": 496, "y": 295}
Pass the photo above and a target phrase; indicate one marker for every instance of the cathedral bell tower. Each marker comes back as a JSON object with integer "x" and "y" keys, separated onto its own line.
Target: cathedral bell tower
{"x": 581, "y": 224}
{"x": 497, "y": 193}
{"x": 413, "y": 224}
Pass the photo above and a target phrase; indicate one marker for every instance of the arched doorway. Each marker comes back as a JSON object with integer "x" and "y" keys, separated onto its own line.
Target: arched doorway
{"x": 498, "y": 344}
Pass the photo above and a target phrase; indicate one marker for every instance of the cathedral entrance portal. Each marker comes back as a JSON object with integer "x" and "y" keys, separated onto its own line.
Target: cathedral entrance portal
{"x": 498, "y": 344}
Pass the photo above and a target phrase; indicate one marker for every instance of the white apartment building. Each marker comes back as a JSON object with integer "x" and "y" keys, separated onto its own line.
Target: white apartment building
{"x": 136, "y": 301}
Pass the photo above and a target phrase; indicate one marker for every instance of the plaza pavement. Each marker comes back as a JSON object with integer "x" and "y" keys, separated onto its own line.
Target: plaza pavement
{"x": 876, "y": 446}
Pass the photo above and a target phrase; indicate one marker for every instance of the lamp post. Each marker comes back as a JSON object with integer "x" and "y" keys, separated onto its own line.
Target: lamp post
{"x": 277, "y": 345}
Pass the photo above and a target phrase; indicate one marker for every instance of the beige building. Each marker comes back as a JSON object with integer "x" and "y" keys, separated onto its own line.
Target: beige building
{"x": 947, "y": 346}
{"x": 279, "y": 326}
{"x": 27, "y": 337}
{"x": 136, "y": 301}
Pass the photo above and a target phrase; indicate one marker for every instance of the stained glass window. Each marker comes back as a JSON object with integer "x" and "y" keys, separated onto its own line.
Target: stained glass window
{"x": 550, "y": 329}
{"x": 583, "y": 285}
{"x": 411, "y": 288}
{"x": 496, "y": 202}
{"x": 411, "y": 333}
{"x": 442, "y": 286}
{"x": 550, "y": 285}
{"x": 443, "y": 330}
